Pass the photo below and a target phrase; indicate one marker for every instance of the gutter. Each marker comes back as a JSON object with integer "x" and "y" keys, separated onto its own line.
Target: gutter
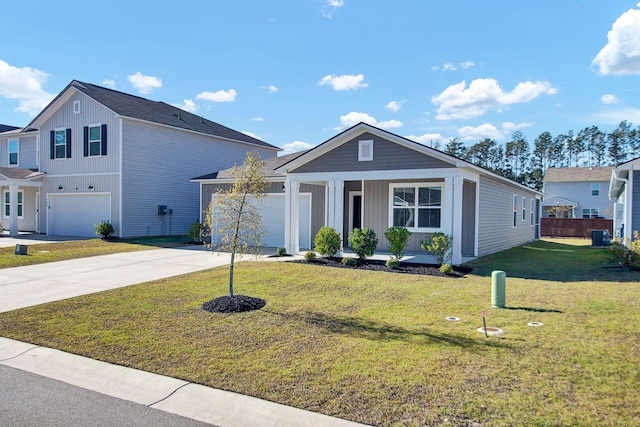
{"x": 616, "y": 178}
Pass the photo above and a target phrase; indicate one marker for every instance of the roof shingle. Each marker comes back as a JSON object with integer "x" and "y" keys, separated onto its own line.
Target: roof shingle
{"x": 595, "y": 174}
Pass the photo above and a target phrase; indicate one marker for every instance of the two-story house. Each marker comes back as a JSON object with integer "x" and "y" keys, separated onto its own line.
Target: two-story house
{"x": 624, "y": 189}
{"x": 95, "y": 154}
{"x": 577, "y": 193}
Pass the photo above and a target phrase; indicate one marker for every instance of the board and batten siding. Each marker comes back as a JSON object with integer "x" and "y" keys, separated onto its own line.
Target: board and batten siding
{"x": 26, "y": 152}
{"x": 387, "y": 155}
{"x": 495, "y": 228}
{"x": 158, "y": 164}
{"x": 317, "y": 201}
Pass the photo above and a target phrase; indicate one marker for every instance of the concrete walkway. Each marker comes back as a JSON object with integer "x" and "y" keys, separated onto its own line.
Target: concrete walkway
{"x": 31, "y": 285}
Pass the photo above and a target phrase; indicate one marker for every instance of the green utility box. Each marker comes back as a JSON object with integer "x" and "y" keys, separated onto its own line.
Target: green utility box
{"x": 498, "y": 288}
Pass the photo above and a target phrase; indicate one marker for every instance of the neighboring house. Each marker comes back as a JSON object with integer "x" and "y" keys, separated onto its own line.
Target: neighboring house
{"x": 97, "y": 154}
{"x": 624, "y": 189}
{"x": 367, "y": 177}
{"x": 7, "y": 128}
{"x": 577, "y": 193}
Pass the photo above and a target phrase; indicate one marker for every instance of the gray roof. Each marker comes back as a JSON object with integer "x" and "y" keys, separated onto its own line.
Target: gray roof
{"x": 7, "y": 128}
{"x": 269, "y": 168}
{"x": 595, "y": 174}
{"x": 159, "y": 112}
{"x": 16, "y": 173}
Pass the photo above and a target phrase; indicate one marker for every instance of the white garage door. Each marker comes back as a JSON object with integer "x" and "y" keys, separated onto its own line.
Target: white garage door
{"x": 273, "y": 220}
{"x": 77, "y": 214}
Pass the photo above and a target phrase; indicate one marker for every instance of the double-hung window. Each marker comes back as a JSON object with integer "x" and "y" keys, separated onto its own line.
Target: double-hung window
{"x": 416, "y": 206}
{"x": 595, "y": 189}
{"x": 95, "y": 140}
{"x": 14, "y": 146}
{"x": 515, "y": 209}
{"x": 524, "y": 212}
{"x": 533, "y": 204}
{"x": 60, "y": 144}
{"x": 6, "y": 199}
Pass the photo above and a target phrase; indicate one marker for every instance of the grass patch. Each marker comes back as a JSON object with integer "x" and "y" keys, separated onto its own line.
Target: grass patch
{"x": 372, "y": 347}
{"x": 51, "y": 252}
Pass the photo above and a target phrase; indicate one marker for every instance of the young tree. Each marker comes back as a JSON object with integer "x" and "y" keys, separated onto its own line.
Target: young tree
{"x": 234, "y": 217}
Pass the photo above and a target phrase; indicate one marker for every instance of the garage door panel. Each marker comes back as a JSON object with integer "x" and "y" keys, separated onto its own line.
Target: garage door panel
{"x": 77, "y": 215}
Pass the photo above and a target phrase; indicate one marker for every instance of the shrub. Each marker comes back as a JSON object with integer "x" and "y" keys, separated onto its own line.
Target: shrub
{"x": 327, "y": 241}
{"x": 398, "y": 238}
{"x": 393, "y": 263}
{"x": 1, "y": 228}
{"x": 446, "y": 269}
{"x": 281, "y": 251}
{"x": 363, "y": 242}
{"x": 439, "y": 245}
{"x": 627, "y": 254}
{"x": 195, "y": 232}
{"x": 350, "y": 262}
{"x": 309, "y": 256}
{"x": 104, "y": 229}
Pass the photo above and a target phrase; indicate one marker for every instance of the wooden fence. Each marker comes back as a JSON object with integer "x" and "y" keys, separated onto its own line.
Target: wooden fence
{"x": 569, "y": 227}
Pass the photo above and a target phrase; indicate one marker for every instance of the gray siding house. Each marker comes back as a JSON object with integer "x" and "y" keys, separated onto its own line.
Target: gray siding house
{"x": 624, "y": 189}
{"x": 577, "y": 193}
{"x": 97, "y": 154}
{"x": 367, "y": 177}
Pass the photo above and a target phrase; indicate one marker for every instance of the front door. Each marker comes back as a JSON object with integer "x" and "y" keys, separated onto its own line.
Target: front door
{"x": 38, "y": 212}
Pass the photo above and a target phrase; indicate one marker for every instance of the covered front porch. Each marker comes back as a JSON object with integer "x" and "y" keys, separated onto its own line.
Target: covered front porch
{"x": 423, "y": 201}
{"x": 20, "y": 192}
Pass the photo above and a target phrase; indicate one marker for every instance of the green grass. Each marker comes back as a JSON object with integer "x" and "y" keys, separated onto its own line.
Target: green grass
{"x": 51, "y": 252}
{"x": 374, "y": 347}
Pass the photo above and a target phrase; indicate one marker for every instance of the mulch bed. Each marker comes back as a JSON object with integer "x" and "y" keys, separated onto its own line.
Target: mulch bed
{"x": 235, "y": 304}
{"x": 405, "y": 267}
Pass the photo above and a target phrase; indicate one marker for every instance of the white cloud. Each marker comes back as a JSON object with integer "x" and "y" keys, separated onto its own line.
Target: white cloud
{"x": 609, "y": 99}
{"x": 394, "y": 106}
{"x": 467, "y": 64}
{"x": 144, "y": 84}
{"x": 344, "y": 82}
{"x": 294, "y": 147}
{"x": 461, "y": 102}
{"x": 25, "y": 85}
{"x": 219, "y": 96}
{"x": 427, "y": 138}
{"x": 448, "y": 67}
{"x": 435, "y": 67}
{"x": 257, "y": 119}
{"x": 251, "y": 134}
{"x": 621, "y": 54}
{"x": 330, "y": 7}
{"x": 488, "y": 130}
{"x": 187, "y": 105}
{"x": 353, "y": 118}
{"x": 110, "y": 83}
{"x": 614, "y": 117}
{"x": 270, "y": 88}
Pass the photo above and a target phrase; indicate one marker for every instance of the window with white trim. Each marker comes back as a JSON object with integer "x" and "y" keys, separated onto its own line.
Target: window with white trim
{"x": 60, "y": 145}
{"x": 365, "y": 150}
{"x": 95, "y": 140}
{"x": 532, "y": 207}
{"x": 6, "y": 202}
{"x": 416, "y": 206}
{"x": 595, "y": 189}
{"x": 590, "y": 213}
{"x": 524, "y": 213}
{"x": 515, "y": 209}
{"x": 14, "y": 147}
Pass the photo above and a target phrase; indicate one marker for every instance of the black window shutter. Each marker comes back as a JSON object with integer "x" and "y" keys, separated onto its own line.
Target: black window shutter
{"x": 52, "y": 145}
{"x": 103, "y": 143}
{"x": 86, "y": 141}
{"x": 68, "y": 143}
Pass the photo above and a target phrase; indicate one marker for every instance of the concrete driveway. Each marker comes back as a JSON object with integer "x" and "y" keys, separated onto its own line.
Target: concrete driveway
{"x": 7, "y": 241}
{"x": 36, "y": 284}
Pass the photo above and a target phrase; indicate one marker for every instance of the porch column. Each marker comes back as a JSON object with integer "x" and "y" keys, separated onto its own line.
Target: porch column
{"x": 291, "y": 216}
{"x": 335, "y": 209}
{"x": 13, "y": 209}
{"x": 456, "y": 258}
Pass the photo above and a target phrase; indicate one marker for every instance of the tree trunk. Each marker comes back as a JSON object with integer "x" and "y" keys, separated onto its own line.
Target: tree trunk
{"x": 233, "y": 255}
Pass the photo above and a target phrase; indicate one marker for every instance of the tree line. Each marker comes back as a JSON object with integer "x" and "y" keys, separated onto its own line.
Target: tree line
{"x": 519, "y": 161}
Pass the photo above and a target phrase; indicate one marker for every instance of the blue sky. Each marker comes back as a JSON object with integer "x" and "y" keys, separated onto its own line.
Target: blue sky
{"x": 296, "y": 72}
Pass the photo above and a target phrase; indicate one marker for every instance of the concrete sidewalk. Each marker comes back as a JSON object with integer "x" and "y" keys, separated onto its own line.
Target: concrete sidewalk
{"x": 218, "y": 407}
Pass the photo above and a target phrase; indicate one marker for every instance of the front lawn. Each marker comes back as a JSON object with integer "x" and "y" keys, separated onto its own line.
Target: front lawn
{"x": 375, "y": 347}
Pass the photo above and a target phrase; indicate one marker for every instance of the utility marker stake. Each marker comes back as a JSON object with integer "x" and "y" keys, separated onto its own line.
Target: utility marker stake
{"x": 484, "y": 322}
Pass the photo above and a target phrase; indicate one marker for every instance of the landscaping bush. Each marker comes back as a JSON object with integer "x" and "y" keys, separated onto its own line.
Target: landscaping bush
{"x": 439, "y": 245}
{"x": 195, "y": 232}
{"x": 309, "y": 256}
{"x": 363, "y": 242}
{"x": 350, "y": 262}
{"x": 627, "y": 254}
{"x": 393, "y": 263}
{"x": 104, "y": 229}
{"x": 446, "y": 269}
{"x": 398, "y": 238}
{"x": 327, "y": 241}
{"x": 281, "y": 251}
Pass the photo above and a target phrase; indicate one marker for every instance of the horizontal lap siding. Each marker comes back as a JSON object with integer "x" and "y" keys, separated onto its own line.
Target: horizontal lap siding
{"x": 387, "y": 155}
{"x": 26, "y": 152}
{"x": 635, "y": 213}
{"x": 158, "y": 163}
{"x": 495, "y": 229}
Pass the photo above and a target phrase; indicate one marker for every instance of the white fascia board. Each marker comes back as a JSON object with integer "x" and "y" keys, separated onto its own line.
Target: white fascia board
{"x": 232, "y": 180}
{"x": 53, "y": 107}
{"x": 133, "y": 119}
